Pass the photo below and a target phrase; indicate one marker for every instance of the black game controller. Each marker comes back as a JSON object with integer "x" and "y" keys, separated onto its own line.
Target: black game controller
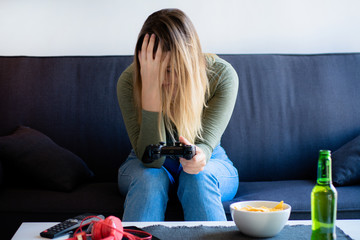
{"x": 155, "y": 151}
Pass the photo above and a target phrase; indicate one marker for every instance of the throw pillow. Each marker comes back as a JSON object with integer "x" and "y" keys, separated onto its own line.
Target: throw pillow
{"x": 346, "y": 163}
{"x": 31, "y": 158}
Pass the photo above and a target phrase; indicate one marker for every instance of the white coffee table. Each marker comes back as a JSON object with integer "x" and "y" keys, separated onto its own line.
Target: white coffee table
{"x": 31, "y": 230}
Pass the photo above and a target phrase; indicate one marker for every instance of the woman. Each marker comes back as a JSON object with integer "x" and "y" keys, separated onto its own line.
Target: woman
{"x": 173, "y": 92}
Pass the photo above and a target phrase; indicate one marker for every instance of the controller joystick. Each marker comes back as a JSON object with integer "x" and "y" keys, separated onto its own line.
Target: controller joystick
{"x": 155, "y": 151}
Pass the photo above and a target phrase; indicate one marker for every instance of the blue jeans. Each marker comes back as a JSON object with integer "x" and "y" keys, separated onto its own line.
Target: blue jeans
{"x": 201, "y": 195}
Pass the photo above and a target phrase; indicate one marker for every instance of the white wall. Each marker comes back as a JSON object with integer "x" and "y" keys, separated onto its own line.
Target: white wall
{"x": 110, "y": 27}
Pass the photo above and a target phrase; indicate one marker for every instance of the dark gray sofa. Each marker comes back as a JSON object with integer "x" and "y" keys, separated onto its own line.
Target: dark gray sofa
{"x": 288, "y": 108}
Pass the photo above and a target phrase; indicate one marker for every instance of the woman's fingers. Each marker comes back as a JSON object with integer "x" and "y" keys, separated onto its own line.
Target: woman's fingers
{"x": 145, "y": 42}
{"x": 150, "y": 47}
{"x": 150, "y": 75}
{"x": 184, "y": 141}
{"x": 147, "y": 49}
{"x": 142, "y": 52}
{"x": 153, "y": 65}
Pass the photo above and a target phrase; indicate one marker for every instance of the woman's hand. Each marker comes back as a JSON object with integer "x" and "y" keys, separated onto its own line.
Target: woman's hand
{"x": 152, "y": 70}
{"x": 197, "y": 163}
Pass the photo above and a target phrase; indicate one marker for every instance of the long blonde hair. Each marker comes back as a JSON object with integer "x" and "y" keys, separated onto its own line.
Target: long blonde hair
{"x": 184, "y": 99}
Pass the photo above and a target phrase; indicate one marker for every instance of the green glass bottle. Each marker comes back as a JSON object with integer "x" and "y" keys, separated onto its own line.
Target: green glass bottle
{"x": 324, "y": 201}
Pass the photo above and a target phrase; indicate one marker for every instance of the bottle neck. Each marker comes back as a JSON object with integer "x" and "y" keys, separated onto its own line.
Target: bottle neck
{"x": 324, "y": 170}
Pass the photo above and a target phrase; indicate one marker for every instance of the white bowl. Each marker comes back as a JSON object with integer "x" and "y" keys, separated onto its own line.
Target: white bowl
{"x": 259, "y": 224}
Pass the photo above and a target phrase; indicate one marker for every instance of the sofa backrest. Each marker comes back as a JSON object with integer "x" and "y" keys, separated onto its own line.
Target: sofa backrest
{"x": 70, "y": 99}
{"x": 288, "y": 107}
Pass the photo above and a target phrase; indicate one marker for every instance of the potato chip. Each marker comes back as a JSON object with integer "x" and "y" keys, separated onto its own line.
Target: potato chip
{"x": 278, "y": 207}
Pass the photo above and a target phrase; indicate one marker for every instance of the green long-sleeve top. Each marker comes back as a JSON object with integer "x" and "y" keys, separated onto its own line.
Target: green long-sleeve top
{"x": 223, "y": 83}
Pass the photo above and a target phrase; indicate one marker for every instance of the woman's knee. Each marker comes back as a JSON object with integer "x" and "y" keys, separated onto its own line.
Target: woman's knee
{"x": 198, "y": 185}
{"x": 134, "y": 175}
{"x": 151, "y": 179}
{"x": 202, "y": 177}
{"x": 200, "y": 197}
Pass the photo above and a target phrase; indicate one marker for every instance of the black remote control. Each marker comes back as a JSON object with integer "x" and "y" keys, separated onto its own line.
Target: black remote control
{"x": 69, "y": 225}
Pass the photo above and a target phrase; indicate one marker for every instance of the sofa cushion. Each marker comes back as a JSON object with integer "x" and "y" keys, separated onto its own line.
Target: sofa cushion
{"x": 32, "y": 158}
{"x": 346, "y": 163}
{"x": 95, "y": 197}
{"x": 297, "y": 194}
